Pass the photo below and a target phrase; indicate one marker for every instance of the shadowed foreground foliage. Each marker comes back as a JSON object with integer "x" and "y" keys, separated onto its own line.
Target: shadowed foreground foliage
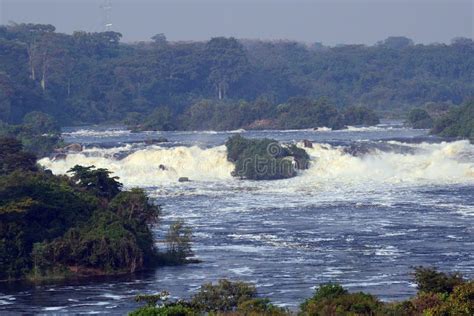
{"x": 439, "y": 294}
{"x": 58, "y": 226}
{"x": 39, "y": 133}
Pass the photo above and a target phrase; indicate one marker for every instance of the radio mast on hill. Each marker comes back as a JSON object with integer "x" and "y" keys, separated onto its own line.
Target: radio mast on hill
{"x": 106, "y": 8}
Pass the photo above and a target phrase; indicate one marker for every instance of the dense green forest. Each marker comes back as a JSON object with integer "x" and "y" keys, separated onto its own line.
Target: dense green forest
{"x": 59, "y": 226}
{"x": 445, "y": 121}
{"x": 86, "y": 78}
{"x": 458, "y": 122}
{"x": 439, "y": 294}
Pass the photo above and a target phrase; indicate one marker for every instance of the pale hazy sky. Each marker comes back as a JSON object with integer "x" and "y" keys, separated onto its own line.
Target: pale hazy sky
{"x": 330, "y": 22}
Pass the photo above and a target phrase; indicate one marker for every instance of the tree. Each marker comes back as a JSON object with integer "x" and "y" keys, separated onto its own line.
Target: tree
{"x": 332, "y": 299}
{"x": 98, "y": 180}
{"x": 6, "y": 92}
{"x": 359, "y": 115}
{"x": 12, "y": 156}
{"x": 178, "y": 242}
{"x": 41, "y": 123}
{"x": 458, "y": 122}
{"x": 227, "y": 63}
{"x": 31, "y": 34}
{"x": 161, "y": 119}
{"x": 419, "y": 118}
{"x": 159, "y": 39}
{"x": 223, "y": 296}
{"x": 396, "y": 42}
{"x": 135, "y": 205}
{"x": 459, "y": 303}
{"x": 432, "y": 281}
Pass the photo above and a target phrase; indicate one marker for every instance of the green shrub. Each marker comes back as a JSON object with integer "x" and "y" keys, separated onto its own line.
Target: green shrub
{"x": 39, "y": 123}
{"x": 167, "y": 310}
{"x": 405, "y": 308}
{"x": 459, "y": 303}
{"x": 332, "y": 299}
{"x": 303, "y": 112}
{"x": 360, "y": 115}
{"x": 12, "y": 156}
{"x": 97, "y": 181}
{"x": 161, "y": 119}
{"x": 260, "y": 306}
{"x": 419, "y": 118}
{"x": 459, "y": 122}
{"x": 223, "y": 296}
{"x": 425, "y": 300}
{"x": 178, "y": 243}
{"x": 264, "y": 159}
{"x": 432, "y": 281}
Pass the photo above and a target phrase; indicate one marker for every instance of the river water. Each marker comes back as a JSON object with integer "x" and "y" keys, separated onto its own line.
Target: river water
{"x": 374, "y": 203}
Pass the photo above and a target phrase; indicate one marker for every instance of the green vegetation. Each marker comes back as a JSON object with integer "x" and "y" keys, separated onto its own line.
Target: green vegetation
{"x": 59, "y": 226}
{"x": 264, "y": 159}
{"x": 360, "y": 115}
{"x": 89, "y": 78}
{"x": 430, "y": 280}
{"x": 419, "y": 118}
{"x": 39, "y": 133}
{"x": 178, "y": 240}
{"x": 439, "y": 294}
{"x": 161, "y": 119}
{"x": 458, "y": 122}
{"x": 332, "y": 299}
{"x": 306, "y": 113}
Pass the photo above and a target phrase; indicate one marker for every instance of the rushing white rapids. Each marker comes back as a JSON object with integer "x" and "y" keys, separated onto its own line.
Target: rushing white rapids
{"x": 366, "y": 211}
{"x": 142, "y": 168}
{"x": 436, "y": 163}
{"x": 427, "y": 163}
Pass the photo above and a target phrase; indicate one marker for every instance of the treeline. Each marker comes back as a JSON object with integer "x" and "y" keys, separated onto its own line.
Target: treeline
{"x": 81, "y": 224}
{"x": 439, "y": 294}
{"x": 445, "y": 121}
{"x": 93, "y": 77}
{"x": 296, "y": 113}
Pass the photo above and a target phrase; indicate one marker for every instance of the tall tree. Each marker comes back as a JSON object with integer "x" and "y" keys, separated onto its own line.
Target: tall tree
{"x": 227, "y": 63}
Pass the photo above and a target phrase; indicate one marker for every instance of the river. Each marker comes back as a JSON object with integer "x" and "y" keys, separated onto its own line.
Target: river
{"x": 374, "y": 203}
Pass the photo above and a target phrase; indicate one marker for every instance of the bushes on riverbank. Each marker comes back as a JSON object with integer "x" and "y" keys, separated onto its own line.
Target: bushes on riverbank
{"x": 438, "y": 294}
{"x": 296, "y": 113}
{"x": 56, "y": 226}
{"x": 419, "y": 118}
{"x": 459, "y": 122}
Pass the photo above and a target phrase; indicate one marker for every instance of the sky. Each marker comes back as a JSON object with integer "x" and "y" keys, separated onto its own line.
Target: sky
{"x": 330, "y": 22}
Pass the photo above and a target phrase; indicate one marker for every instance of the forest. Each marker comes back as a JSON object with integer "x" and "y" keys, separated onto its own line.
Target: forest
{"x": 91, "y": 78}
{"x": 77, "y": 225}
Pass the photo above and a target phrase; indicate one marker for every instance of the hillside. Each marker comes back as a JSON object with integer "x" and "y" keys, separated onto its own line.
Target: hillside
{"x": 86, "y": 78}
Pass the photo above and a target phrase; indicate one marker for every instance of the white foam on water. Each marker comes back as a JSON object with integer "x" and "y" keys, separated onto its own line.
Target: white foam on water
{"x": 96, "y": 133}
{"x": 241, "y": 271}
{"x": 376, "y": 128}
{"x": 142, "y": 168}
{"x": 436, "y": 163}
{"x": 113, "y": 296}
{"x": 330, "y": 168}
{"x": 389, "y": 251}
{"x": 54, "y": 308}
